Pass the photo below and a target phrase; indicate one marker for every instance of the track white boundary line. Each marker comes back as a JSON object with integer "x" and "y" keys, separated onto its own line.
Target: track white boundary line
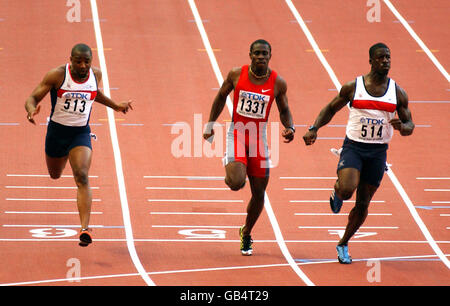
{"x": 195, "y": 240}
{"x": 417, "y": 218}
{"x": 44, "y": 175}
{"x": 212, "y": 269}
{"x": 209, "y": 50}
{"x": 417, "y": 39}
{"x": 390, "y": 173}
{"x": 267, "y": 205}
{"x": 314, "y": 45}
{"x": 116, "y": 150}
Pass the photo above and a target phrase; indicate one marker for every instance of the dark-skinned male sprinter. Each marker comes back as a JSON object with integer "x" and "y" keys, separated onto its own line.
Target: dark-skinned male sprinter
{"x": 255, "y": 87}
{"x": 375, "y": 100}
{"x": 73, "y": 88}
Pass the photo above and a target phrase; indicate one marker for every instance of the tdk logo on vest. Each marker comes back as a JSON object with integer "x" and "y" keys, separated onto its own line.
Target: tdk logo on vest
{"x": 76, "y": 95}
{"x": 254, "y": 96}
{"x": 372, "y": 121}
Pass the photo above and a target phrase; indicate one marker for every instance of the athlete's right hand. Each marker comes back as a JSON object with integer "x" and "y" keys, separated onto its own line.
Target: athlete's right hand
{"x": 310, "y": 137}
{"x": 32, "y": 113}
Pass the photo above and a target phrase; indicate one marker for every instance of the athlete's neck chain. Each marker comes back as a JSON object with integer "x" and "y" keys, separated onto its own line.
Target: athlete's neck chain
{"x": 258, "y": 76}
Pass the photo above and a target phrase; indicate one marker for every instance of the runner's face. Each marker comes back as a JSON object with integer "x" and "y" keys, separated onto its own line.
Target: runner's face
{"x": 260, "y": 56}
{"x": 381, "y": 61}
{"x": 80, "y": 64}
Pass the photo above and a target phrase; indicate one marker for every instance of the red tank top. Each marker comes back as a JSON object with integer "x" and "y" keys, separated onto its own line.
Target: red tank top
{"x": 252, "y": 102}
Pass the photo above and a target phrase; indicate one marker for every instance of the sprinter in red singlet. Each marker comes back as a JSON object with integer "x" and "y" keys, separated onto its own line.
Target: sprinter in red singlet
{"x": 255, "y": 87}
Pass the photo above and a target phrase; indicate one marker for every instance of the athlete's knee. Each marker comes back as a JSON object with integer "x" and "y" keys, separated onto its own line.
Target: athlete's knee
{"x": 235, "y": 184}
{"x": 81, "y": 177}
{"x": 54, "y": 175}
{"x": 344, "y": 192}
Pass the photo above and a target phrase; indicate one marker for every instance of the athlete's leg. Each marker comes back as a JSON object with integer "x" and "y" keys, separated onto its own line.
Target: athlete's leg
{"x": 55, "y": 165}
{"x": 347, "y": 182}
{"x": 80, "y": 161}
{"x": 235, "y": 174}
{"x": 256, "y": 204}
{"x": 359, "y": 213}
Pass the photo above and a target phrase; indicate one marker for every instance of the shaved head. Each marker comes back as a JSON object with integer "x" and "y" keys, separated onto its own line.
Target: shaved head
{"x": 81, "y": 48}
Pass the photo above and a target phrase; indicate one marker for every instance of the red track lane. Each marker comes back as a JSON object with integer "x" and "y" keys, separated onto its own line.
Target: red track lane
{"x": 178, "y": 83}
{"x": 156, "y": 57}
{"x": 348, "y": 59}
{"x": 322, "y": 24}
{"x": 41, "y": 39}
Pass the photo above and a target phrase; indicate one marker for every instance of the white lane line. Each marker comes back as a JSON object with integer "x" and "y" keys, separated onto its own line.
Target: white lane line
{"x": 432, "y": 178}
{"x": 267, "y": 205}
{"x": 417, "y": 218}
{"x": 54, "y": 226}
{"x": 314, "y": 45}
{"x": 50, "y": 212}
{"x": 332, "y": 214}
{"x": 188, "y": 177}
{"x": 48, "y": 200}
{"x": 187, "y": 188}
{"x": 418, "y": 40}
{"x": 209, "y": 50}
{"x": 196, "y": 213}
{"x": 390, "y": 173}
{"x": 328, "y": 201}
{"x": 203, "y": 270}
{"x": 308, "y": 189}
{"x": 196, "y": 226}
{"x": 116, "y": 150}
{"x": 212, "y": 240}
{"x": 436, "y": 189}
{"x": 343, "y": 227}
{"x": 308, "y": 177}
{"x": 200, "y": 201}
{"x": 45, "y": 187}
{"x": 43, "y": 175}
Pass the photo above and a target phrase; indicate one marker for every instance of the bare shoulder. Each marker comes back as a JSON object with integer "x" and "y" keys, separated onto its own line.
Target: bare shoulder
{"x": 233, "y": 76}
{"x": 235, "y": 72}
{"x": 347, "y": 90}
{"x": 55, "y": 76}
{"x": 401, "y": 93}
{"x": 97, "y": 72}
{"x": 280, "y": 85}
{"x": 280, "y": 81}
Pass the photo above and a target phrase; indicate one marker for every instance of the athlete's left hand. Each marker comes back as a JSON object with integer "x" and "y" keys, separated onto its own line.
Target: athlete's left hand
{"x": 288, "y": 135}
{"x": 124, "y": 107}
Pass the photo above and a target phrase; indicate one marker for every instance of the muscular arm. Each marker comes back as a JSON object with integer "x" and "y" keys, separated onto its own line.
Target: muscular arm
{"x": 123, "y": 107}
{"x": 220, "y": 100}
{"x": 328, "y": 112}
{"x": 283, "y": 108}
{"x": 52, "y": 79}
{"x": 404, "y": 122}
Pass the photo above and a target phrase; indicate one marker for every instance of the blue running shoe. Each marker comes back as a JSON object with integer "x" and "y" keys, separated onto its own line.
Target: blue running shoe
{"x": 343, "y": 256}
{"x": 335, "y": 202}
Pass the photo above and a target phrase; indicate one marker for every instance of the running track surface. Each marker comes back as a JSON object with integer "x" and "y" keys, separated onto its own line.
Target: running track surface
{"x": 159, "y": 219}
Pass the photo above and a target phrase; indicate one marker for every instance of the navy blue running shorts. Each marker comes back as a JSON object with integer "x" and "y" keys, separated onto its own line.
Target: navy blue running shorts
{"x": 60, "y": 139}
{"x": 368, "y": 158}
